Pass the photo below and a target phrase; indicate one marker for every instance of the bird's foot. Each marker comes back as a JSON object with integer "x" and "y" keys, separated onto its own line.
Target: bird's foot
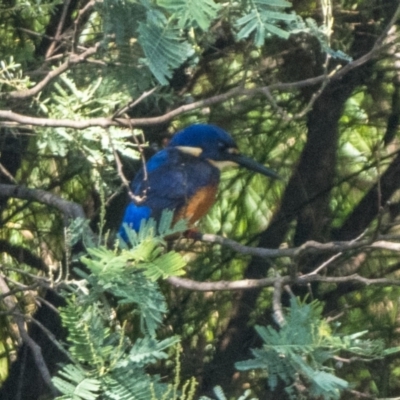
{"x": 193, "y": 234}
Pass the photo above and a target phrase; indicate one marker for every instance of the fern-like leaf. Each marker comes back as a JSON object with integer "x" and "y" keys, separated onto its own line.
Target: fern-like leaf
{"x": 75, "y": 384}
{"x": 148, "y": 350}
{"x": 163, "y": 47}
{"x": 299, "y": 347}
{"x": 263, "y": 19}
{"x": 91, "y": 341}
{"x": 131, "y": 383}
{"x": 192, "y": 12}
{"x": 150, "y": 229}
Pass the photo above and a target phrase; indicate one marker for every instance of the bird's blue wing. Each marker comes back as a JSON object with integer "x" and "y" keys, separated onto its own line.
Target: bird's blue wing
{"x": 172, "y": 178}
{"x": 134, "y": 215}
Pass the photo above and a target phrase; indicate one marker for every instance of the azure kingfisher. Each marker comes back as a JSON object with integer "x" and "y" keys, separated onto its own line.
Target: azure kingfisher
{"x": 184, "y": 176}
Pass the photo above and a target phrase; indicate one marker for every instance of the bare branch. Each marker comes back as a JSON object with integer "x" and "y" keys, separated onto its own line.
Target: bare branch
{"x": 118, "y": 163}
{"x": 68, "y": 208}
{"x": 249, "y": 284}
{"x": 134, "y": 103}
{"x": 90, "y": 5}
{"x": 105, "y": 122}
{"x": 310, "y": 247}
{"x": 37, "y": 355}
{"x": 23, "y": 255}
{"x": 73, "y": 59}
{"x": 4, "y": 171}
{"x": 20, "y": 289}
{"x": 74, "y": 211}
{"x": 50, "y": 335}
{"x": 9, "y": 115}
{"x": 60, "y": 27}
{"x": 244, "y": 284}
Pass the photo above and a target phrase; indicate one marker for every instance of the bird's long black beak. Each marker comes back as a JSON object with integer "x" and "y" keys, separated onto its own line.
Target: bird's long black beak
{"x": 252, "y": 165}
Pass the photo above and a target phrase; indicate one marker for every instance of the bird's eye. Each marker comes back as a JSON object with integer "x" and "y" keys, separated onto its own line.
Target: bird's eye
{"x": 222, "y": 145}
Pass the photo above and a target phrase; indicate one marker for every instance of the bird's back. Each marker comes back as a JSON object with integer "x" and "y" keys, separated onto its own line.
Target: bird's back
{"x": 175, "y": 181}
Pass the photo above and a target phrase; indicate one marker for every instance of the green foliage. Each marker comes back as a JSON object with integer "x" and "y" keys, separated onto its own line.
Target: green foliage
{"x": 169, "y": 31}
{"x": 300, "y": 350}
{"x": 75, "y": 384}
{"x": 191, "y": 12}
{"x": 310, "y": 26}
{"x": 150, "y": 229}
{"x": 164, "y": 49}
{"x": 106, "y": 360}
{"x": 130, "y": 274}
{"x": 79, "y": 164}
{"x": 3, "y": 359}
{"x": 11, "y": 76}
{"x": 162, "y": 42}
{"x": 263, "y": 20}
{"x": 95, "y": 143}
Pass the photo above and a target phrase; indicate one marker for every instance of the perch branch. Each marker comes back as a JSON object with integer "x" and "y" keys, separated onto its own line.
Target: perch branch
{"x": 249, "y": 284}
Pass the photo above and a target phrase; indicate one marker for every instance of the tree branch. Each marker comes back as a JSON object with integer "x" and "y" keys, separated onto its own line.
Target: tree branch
{"x": 105, "y": 122}
{"x": 12, "y": 305}
{"x": 310, "y": 247}
{"x": 73, "y": 59}
{"x": 249, "y": 284}
{"x": 68, "y": 208}
{"x": 23, "y": 255}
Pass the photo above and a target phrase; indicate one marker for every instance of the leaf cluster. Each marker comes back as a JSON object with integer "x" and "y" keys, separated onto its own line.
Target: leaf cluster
{"x": 170, "y": 32}
{"x": 301, "y": 352}
{"x": 105, "y": 360}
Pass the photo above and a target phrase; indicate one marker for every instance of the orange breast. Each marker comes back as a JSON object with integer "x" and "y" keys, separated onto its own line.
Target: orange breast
{"x": 198, "y": 205}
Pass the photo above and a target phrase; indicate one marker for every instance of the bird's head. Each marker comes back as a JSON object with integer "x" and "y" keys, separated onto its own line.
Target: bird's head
{"x": 217, "y": 146}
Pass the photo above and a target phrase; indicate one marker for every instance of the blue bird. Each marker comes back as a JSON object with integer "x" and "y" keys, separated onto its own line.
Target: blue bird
{"x": 184, "y": 176}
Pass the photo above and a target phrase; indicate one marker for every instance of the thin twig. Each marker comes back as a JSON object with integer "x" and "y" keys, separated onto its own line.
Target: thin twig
{"x": 277, "y": 303}
{"x": 60, "y": 27}
{"x": 77, "y": 21}
{"x": 118, "y": 162}
{"x": 22, "y": 288}
{"x": 72, "y": 59}
{"x": 6, "y": 173}
{"x": 134, "y": 103}
{"x": 136, "y": 199}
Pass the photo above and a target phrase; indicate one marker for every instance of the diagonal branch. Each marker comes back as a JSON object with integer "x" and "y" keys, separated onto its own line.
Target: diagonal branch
{"x": 72, "y": 60}
{"x": 12, "y": 305}
{"x": 68, "y": 208}
{"x": 23, "y": 255}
